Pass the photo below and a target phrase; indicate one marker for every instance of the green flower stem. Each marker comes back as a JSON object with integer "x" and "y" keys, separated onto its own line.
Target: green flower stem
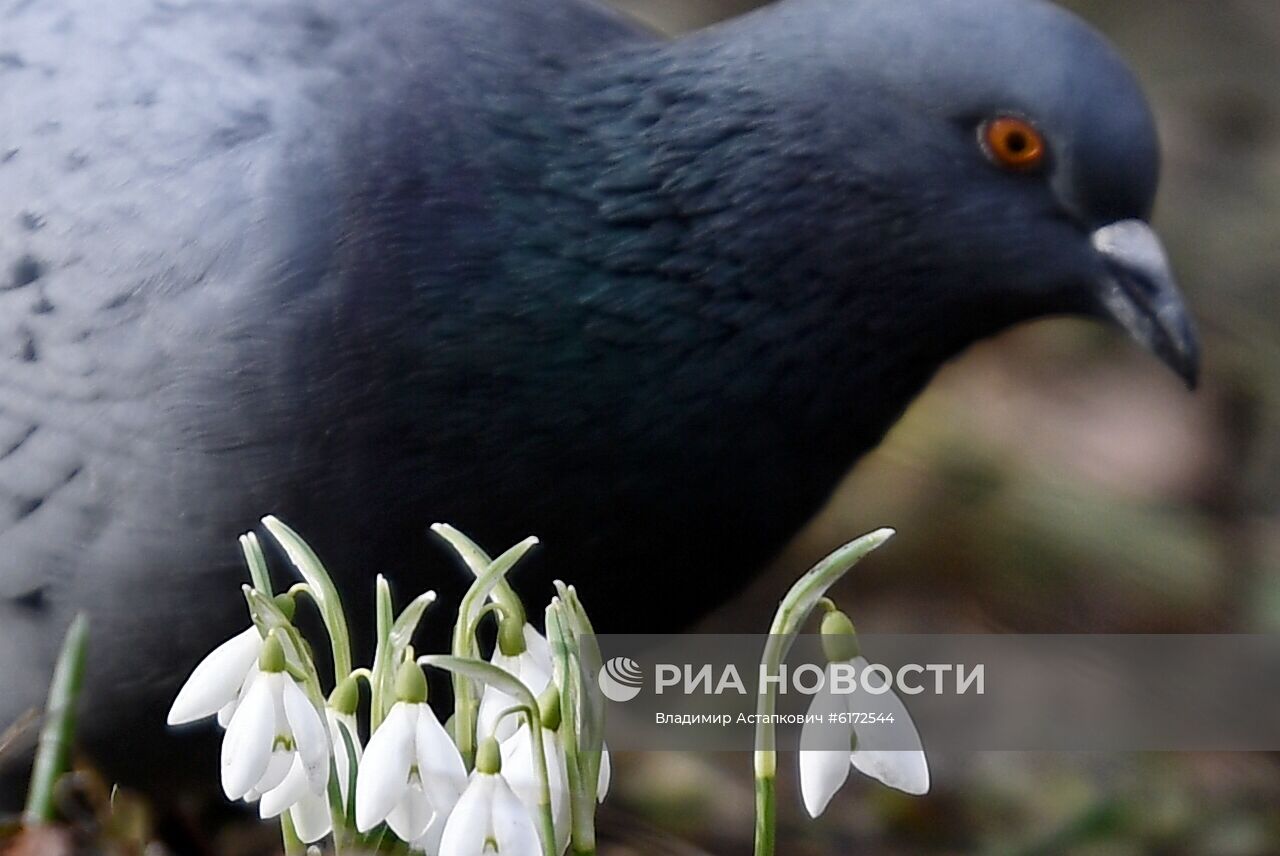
{"x": 58, "y": 733}
{"x": 293, "y": 845}
{"x": 491, "y": 608}
{"x": 794, "y": 609}
{"x": 548, "y": 829}
{"x": 766, "y": 809}
{"x": 489, "y": 574}
{"x": 322, "y": 590}
{"x": 465, "y": 704}
{"x": 546, "y": 821}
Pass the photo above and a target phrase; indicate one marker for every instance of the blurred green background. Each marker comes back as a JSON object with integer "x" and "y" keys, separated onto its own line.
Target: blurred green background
{"x": 1058, "y": 480}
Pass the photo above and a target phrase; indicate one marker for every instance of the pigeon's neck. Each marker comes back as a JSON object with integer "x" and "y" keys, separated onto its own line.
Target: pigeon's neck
{"x": 705, "y": 220}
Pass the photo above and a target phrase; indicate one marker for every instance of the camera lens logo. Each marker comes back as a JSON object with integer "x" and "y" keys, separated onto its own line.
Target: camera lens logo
{"x": 620, "y": 679}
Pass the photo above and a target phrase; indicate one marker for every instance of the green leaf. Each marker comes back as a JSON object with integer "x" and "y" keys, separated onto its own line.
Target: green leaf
{"x": 322, "y": 589}
{"x": 478, "y": 561}
{"x": 53, "y": 752}
{"x": 353, "y": 766}
{"x": 382, "y": 675}
{"x": 485, "y": 673}
{"x": 257, "y": 562}
{"x": 402, "y": 631}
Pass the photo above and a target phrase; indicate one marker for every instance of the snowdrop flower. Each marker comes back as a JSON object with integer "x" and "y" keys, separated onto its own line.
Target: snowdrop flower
{"x": 532, "y": 667}
{"x": 274, "y": 728}
{"x": 522, "y": 774}
{"x": 411, "y": 775}
{"x": 222, "y": 678}
{"x": 824, "y": 770}
{"x": 216, "y": 684}
{"x": 489, "y": 818}
{"x": 309, "y": 810}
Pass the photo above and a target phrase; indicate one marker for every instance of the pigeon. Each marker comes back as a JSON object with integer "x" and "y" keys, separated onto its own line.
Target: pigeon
{"x": 524, "y": 267}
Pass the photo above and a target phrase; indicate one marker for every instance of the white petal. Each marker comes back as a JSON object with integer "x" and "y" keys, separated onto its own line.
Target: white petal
{"x": 310, "y": 737}
{"x": 311, "y": 818}
{"x": 503, "y": 661}
{"x": 822, "y": 772}
{"x": 246, "y": 747}
{"x": 228, "y": 710}
{"x": 823, "y": 769}
{"x": 558, "y": 779}
{"x": 905, "y": 770}
{"x": 534, "y": 673}
{"x": 512, "y": 824}
{"x": 384, "y": 771}
{"x": 493, "y": 703}
{"x": 471, "y": 820}
{"x": 342, "y": 762}
{"x": 293, "y": 788}
{"x": 218, "y": 678}
{"x": 606, "y": 774}
{"x": 538, "y": 649}
{"x": 440, "y": 767}
{"x": 429, "y": 842}
{"x": 890, "y": 753}
{"x": 412, "y": 815}
{"x": 277, "y": 769}
{"x": 521, "y": 775}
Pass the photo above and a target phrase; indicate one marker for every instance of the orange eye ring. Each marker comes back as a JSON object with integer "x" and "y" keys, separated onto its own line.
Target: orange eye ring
{"x": 1013, "y": 143}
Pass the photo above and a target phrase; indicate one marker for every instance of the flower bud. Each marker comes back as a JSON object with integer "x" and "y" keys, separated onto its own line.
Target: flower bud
{"x": 511, "y": 634}
{"x": 271, "y": 658}
{"x": 345, "y": 697}
{"x": 839, "y": 641}
{"x": 549, "y": 707}
{"x": 286, "y": 604}
{"x": 411, "y": 684}
{"x": 488, "y": 757}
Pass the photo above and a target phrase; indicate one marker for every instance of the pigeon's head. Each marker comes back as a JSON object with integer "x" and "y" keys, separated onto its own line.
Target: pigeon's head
{"x": 1002, "y": 143}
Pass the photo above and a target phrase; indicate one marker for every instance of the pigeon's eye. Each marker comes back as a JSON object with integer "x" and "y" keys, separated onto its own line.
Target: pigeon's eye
{"x": 1013, "y": 143}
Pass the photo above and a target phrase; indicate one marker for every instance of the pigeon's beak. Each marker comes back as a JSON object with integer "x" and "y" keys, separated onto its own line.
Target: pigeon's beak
{"x": 1137, "y": 291}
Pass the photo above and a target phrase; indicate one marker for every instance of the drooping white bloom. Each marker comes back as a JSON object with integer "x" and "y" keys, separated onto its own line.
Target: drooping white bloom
{"x": 274, "y": 727}
{"x": 606, "y": 775}
{"x": 309, "y": 809}
{"x": 888, "y": 750}
{"x": 533, "y": 669}
{"x": 521, "y": 773}
{"x": 216, "y": 684}
{"x": 490, "y": 818}
{"x": 411, "y": 775}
